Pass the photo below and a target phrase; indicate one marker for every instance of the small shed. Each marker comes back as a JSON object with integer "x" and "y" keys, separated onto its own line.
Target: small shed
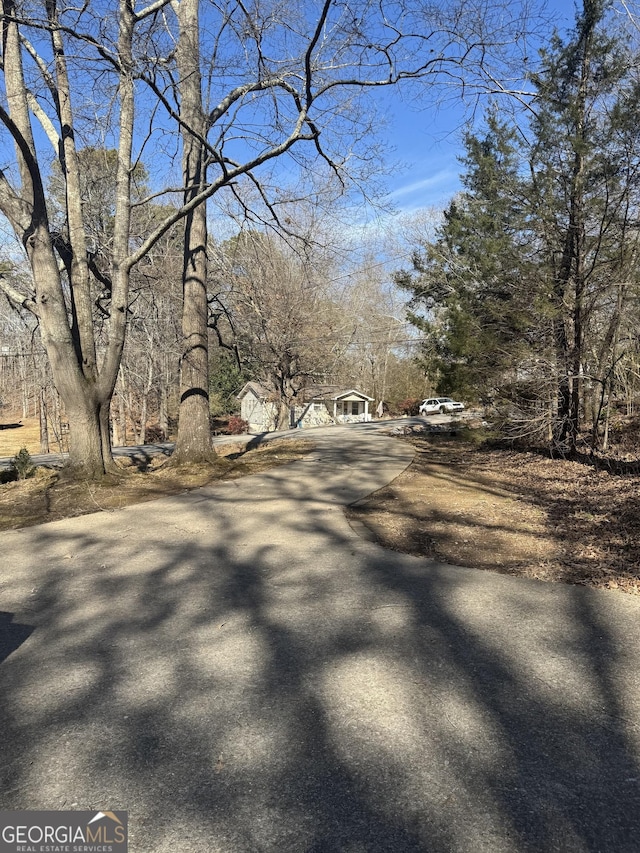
{"x": 258, "y": 407}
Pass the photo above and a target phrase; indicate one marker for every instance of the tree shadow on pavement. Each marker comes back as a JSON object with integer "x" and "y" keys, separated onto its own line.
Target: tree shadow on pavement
{"x": 12, "y": 635}
{"x": 301, "y": 691}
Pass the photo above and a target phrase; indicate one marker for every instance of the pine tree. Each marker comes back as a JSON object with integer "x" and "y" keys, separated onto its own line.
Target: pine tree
{"x": 473, "y": 290}
{"x": 528, "y": 292}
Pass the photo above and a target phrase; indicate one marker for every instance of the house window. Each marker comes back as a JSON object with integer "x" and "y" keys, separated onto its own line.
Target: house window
{"x": 355, "y": 408}
{"x": 317, "y": 407}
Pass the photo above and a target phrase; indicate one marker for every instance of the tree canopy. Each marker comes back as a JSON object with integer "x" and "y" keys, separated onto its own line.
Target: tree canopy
{"x": 527, "y": 295}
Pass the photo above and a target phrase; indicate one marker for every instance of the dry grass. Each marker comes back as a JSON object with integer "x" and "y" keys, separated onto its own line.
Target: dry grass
{"x": 16, "y": 434}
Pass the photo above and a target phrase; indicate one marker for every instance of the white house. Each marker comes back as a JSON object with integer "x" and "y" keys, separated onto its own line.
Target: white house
{"x": 317, "y": 405}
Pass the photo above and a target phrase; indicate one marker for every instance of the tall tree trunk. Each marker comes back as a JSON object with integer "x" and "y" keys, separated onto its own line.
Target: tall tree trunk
{"x": 70, "y": 346}
{"x": 163, "y": 406}
{"x": 571, "y": 285}
{"x": 76, "y": 391}
{"x": 193, "y": 443}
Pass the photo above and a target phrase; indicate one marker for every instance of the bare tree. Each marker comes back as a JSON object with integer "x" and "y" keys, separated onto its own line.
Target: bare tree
{"x": 272, "y": 84}
{"x": 52, "y": 57}
{"x": 283, "y": 315}
{"x": 380, "y": 334}
{"x": 36, "y": 74}
{"x": 279, "y": 85}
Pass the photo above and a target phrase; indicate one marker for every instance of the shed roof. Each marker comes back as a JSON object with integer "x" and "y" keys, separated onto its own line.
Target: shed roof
{"x": 256, "y": 389}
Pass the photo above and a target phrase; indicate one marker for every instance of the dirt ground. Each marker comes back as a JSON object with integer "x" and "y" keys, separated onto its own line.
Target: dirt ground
{"x": 518, "y": 513}
{"x": 48, "y": 496}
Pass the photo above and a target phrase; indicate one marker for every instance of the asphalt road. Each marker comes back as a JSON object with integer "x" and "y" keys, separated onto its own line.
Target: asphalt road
{"x": 242, "y": 672}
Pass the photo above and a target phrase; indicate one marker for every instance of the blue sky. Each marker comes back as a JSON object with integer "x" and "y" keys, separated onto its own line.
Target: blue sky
{"x": 428, "y": 175}
{"x": 427, "y": 141}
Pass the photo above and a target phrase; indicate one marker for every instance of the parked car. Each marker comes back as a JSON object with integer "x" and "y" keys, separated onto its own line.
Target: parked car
{"x": 442, "y": 405}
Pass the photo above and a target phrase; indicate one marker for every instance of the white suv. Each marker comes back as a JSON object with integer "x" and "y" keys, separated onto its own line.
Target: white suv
{"x": 443, "y": 405}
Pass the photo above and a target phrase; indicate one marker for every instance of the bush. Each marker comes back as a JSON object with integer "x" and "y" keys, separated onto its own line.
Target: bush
{"x": 22, "y": 464}
{"x": 410, "y": 406}
{"x": 237, "y": 425}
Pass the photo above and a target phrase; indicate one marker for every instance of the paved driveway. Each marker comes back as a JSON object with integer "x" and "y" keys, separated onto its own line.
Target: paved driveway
{"x": 243, "y": 673}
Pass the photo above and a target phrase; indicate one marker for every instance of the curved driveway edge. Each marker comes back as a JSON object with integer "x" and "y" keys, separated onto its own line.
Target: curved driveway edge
{"x": 242, "y": 673}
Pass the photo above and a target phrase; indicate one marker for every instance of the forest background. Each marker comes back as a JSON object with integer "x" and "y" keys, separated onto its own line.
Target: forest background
{"x": 190, "y": 187}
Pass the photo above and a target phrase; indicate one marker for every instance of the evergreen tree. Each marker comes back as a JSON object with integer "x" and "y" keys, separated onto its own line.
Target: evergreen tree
{"x": 528, "y": 292}
{"x": 226, "y": 378}
{"x": 473, "y": 289}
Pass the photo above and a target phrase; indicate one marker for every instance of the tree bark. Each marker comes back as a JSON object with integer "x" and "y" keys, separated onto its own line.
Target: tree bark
{"x": 193, "y": 442}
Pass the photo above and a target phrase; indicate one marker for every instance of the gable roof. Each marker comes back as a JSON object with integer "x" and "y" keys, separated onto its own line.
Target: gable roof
{"x": 256, "y": 389}
{"x": 338, "y": 394}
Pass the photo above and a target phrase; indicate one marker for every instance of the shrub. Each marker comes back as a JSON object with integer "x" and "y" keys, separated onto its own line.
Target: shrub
{"x": 22, "y": 464}
{"x": 410, "y": 406}
{"x": 237, "y": 425}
